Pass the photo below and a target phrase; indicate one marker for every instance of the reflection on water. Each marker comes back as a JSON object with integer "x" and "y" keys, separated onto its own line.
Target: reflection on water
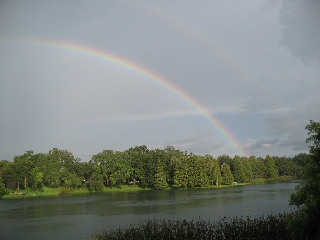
{"x": 74, "y": 217}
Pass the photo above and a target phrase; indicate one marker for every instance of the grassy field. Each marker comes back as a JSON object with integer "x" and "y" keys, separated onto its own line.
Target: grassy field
{"x": 24, "y": 193}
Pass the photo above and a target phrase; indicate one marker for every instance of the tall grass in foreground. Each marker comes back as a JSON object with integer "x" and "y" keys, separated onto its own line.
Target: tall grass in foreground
{"x": 262, "y": 227}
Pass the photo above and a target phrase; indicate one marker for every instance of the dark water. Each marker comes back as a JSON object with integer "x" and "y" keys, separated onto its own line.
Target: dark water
{"x": 77, "y": 217}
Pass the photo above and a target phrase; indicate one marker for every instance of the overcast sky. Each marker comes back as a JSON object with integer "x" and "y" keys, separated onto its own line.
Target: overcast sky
{"x": 253, "y": 66}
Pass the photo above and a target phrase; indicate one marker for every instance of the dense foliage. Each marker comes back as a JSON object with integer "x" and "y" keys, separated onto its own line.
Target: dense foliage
{"x": 157, "y": 169}
{"x": 307, "y": 198}
{"x": 263, "y": 227}
{"x": 2, "y": 188}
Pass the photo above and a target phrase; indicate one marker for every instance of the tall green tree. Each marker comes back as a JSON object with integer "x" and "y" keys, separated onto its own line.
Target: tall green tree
{"x": 137, "y": 157}
{"x": 24, "y": 165}
{"x": 227, "y": 176}
{"x": 271, "y": 168}
{"x": 248, "y": 173}
{"x": 160, "y": 180}
{"x": 55, "y": 165}
{"x": 36, "y": 179}
{"x": 239, "y": 170}
{"x": 3, "y": 163}
{"x": 226, "y": 159}
{"x": 108, "y": 163}
{"x": 9, "y": 175}
{"x": 181, "y": 171}
{"x": 197, "y": 171}
{"x": 65, "y": 161}
{"x": 306, "y": 225}
{"x": 171, "y": 153}
{"x": 213, "y": 170}
{"x": 258, "y": 167}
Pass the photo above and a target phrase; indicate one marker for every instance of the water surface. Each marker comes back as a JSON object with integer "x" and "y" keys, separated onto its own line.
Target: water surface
{"x": 77, "y": 217}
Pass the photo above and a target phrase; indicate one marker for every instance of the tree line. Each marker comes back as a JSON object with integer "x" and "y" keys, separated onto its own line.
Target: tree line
{"x": 157, "y": 169}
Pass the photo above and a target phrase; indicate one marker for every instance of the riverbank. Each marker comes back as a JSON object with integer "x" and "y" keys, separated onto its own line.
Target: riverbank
{"x": 61, "y": 191}
{"x": 50, "y": 192}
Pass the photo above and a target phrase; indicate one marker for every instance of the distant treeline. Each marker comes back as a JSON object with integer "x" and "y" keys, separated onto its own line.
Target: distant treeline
{"x": 157, "y": 169}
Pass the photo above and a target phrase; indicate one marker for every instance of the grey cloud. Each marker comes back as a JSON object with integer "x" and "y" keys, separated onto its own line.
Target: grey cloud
{"x": 301, "y": 35}
{"x": 200, "y": 144}
{"x": 263, "y": 144}
{"x": 296, "y": 142}
{"x": 281, "y": 123}
{"x": 184, "y": 141}
{"x": 204, "y": 146}
{"x": 222, "y": 58}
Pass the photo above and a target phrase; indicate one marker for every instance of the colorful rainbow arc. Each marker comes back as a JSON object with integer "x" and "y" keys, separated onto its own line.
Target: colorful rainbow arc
{"x": 144, "y": 72}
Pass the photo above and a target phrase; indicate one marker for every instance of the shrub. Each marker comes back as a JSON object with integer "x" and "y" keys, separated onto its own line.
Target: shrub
{"x": 3, "y": 189}
{"x": 96, "y": 183}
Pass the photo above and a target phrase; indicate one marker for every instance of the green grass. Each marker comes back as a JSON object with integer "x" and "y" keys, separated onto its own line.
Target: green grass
{"x": 23, "y": 193}
{"x": 124, "y": 188}
{"x": 61, "y": 191}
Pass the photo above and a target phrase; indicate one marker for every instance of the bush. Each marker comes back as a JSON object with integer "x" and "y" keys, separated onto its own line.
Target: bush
{"x": 96, "y": 183}
{"x": 3, "y": 190}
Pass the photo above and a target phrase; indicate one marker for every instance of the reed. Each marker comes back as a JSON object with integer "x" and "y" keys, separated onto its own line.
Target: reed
{"x": 257, "y": 181}
{"x": 263, "y": 227}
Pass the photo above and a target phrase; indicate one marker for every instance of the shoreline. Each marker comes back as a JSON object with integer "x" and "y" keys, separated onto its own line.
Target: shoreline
{"x": 61, "y": 191}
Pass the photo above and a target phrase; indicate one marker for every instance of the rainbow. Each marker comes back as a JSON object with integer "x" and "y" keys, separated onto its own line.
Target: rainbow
{"x": 141, "y": 71}
{"x": 219, "y": 50}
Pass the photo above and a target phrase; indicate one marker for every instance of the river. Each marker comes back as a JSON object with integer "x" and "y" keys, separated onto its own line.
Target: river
{"x": 77, "y": 217}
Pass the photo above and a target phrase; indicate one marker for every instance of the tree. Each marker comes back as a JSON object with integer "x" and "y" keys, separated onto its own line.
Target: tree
{"x": 2, "y": 188}
{"x": 96, "y": 183}
{"x": 239, "y": 170}
{"x": 306, "y": 224}
{"x": 170, "y": 152}
{"x": 65, "y": 162}
{"x": 213, "y": 170}
{"x": 36, "y": 179}
{"x": 181, "y": 169}
{"x": 24, "y": 165}
{"x": 287, "y": 167}
{"x": 258, "y": 167}
{"x": 72, "y": 181}
{"x": 226, "y": 159}
{"x": 160, "y": 181}
{"x": 227, "y": 177}
{"x": 247, "y": 169}
{"x": 3, "y": 163}
{"x": 271, "y": 168}
{"x": 10, "y": 176}
{"x": 54, "y": 165}
{"x": 197, "y": 171}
